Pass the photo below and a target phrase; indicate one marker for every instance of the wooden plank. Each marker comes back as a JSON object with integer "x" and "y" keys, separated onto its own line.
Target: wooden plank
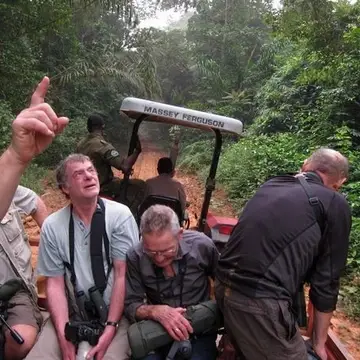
{"x": 336, "y": 348}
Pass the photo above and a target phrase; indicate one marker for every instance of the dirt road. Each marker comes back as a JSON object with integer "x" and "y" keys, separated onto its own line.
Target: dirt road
{"x": 146, "y": 167}
{"x": 348, "y": 331}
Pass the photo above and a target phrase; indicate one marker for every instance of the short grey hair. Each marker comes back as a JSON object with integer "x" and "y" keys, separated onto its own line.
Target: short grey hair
{"x": 60, "y": 171}
{"x": 159, "y": 218}
{"x": 328, "y": 161}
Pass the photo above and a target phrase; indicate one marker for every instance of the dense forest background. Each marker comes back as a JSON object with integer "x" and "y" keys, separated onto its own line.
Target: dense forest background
{"x": 291, "y": 74}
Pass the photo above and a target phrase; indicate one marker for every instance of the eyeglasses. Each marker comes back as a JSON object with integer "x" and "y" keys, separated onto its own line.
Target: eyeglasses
{"x": 165, "y": 253}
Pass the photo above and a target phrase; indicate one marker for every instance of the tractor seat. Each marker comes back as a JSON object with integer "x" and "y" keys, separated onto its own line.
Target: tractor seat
{"x": 161, "y": 200}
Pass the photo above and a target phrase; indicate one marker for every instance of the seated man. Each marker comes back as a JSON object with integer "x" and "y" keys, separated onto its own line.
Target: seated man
{"x": 76, "y": 253}
{"x": 104, "y": 156}
{"x": 170, "y": 269}
{"x": 15, "y": 258}
{"x": 164, "y": 184}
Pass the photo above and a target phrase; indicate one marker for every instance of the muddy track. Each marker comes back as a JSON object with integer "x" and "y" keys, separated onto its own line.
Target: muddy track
{"x": 348, "y": 331}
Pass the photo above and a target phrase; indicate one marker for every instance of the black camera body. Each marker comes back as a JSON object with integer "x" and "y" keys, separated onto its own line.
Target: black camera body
{"x": 78, "y": 331}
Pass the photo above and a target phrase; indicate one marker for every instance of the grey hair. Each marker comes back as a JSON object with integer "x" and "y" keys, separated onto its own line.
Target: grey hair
{"x": 60, "y": 171}
{"x": 329, "y": 162}
{"x": 159, "y": 218}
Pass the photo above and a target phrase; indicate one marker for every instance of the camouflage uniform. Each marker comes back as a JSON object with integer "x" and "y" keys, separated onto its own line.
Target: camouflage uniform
{"x": 104, "y": 156}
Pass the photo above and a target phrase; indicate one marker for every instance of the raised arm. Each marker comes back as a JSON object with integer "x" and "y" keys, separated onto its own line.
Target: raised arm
{"x": 33, "y": 131}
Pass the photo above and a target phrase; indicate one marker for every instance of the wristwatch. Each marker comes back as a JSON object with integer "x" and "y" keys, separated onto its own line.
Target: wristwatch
{"x": 112, "y": 323}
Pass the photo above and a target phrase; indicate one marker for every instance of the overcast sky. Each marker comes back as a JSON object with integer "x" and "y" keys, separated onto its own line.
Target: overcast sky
{"x": 164, "y": 18}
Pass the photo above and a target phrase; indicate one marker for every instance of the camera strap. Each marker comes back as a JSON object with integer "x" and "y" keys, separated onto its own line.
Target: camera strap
{"x": 314, "y": 201}
{"x": 98, "y": 236}
{"x": 320, "y": 216}
{"x": 182, "y": 271}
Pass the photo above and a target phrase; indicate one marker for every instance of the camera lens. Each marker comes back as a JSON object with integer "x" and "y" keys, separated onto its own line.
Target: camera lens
{"x": 185, "y": 350}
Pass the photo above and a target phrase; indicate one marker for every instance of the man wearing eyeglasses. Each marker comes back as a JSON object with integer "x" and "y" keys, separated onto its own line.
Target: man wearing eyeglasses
{"x": 167, "y": 272}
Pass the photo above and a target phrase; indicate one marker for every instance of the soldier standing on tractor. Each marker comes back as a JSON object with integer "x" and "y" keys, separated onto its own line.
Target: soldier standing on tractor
{"x": 104, "y": 156}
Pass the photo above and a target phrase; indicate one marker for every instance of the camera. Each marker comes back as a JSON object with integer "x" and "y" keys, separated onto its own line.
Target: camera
{"x": 78, "y": 331}
{"x": 93, "y": 315}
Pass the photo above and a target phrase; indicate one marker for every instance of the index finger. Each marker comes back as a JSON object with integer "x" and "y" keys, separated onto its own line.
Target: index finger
{"x": 38, "y": 97}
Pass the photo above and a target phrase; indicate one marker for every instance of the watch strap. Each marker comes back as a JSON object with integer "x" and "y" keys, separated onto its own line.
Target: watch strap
{"x": 112, "y": 323}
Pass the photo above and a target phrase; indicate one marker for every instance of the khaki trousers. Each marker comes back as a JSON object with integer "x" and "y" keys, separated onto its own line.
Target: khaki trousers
{"x": 260, "y": 329}
{"x": 47, "y": 346}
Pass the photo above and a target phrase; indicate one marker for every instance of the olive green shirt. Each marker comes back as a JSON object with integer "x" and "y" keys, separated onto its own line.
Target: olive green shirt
{"x": 102, "y": 154}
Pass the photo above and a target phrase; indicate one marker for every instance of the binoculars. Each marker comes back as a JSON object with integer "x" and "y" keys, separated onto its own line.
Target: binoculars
{"x": 95, "y": 309}
{"x": 149, "y": 335}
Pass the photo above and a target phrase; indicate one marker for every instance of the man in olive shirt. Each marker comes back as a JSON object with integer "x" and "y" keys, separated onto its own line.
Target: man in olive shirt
{"x": 102, "y": 153}
{"x": 104, "y": 156}
{"x": 170, "y": 268}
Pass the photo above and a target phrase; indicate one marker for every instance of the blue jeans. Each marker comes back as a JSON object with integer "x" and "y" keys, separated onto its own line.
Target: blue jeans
{"x": 203, "y": 348}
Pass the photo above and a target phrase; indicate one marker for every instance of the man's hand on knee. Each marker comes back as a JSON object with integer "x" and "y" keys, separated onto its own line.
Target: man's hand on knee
{"x": 15, "y": 351}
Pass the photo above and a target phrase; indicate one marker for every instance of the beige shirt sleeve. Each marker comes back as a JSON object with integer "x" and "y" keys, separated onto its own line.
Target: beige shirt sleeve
{"x": 25, "y": 200}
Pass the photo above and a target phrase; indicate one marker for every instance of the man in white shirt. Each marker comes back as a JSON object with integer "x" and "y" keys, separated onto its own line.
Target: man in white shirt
{"x": 67, "y": 259}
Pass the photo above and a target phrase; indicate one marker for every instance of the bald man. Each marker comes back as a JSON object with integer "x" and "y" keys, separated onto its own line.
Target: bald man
{"x": 295, "y": 228}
